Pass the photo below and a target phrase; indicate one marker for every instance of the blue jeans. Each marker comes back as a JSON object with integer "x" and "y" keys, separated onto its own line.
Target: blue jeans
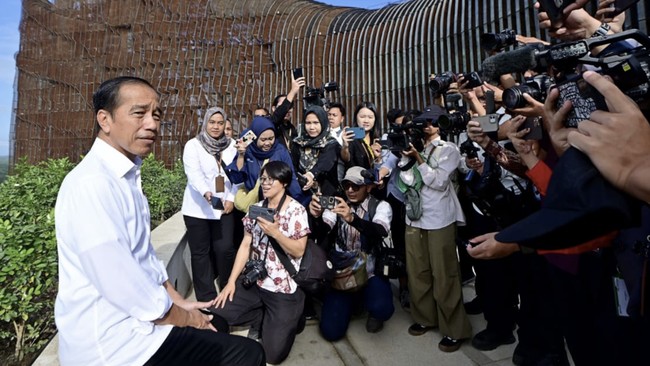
{"x": 338, "y": 306}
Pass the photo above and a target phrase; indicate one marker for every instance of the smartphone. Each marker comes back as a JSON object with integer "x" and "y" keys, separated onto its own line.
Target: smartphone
{"x": 216, "y": 203}
{"x": 489, "y": 122}
{"x": 534, "y": 123}
{"x": 359, "y": 132}
{"x": 297, "y": 73}
{"x": 327, "y": 202}
{"x": 249, "y": 137}
{"x": 264, "y": 212}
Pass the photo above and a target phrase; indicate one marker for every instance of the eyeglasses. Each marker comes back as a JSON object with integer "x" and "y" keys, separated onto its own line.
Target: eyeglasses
{"x": 267, "y": 180}
{"x": 262, "y": 115}
{"x": 348, "y": 185}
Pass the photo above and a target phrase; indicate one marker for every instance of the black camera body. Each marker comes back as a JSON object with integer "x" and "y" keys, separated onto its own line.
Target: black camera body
{"x": 473, "y": 79}
{"x": 468, "y": 149}
{"x": 537, "y": 87}
{"x": 254, "y": 270}
{"x": 316, "y": 96}
{"x": 454, "y": 121}
{"x": 498, "y": 41}
{"x": 441, "y": 82}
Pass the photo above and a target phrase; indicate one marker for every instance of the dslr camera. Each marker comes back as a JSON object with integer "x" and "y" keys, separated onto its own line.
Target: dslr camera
{"x": 498, "y": 41}
{"x": 457, "y": 117}
{"x": 536, "y": 87}
{"x": 441, "y": 82}
{"x": 254, "y": 270}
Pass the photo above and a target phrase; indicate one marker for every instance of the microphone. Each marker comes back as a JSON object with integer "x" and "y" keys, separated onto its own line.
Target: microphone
{"x": 518, "y": 60}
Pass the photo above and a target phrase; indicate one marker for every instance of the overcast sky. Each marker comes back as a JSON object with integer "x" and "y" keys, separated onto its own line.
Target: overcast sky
{"x": 10, "y": 39}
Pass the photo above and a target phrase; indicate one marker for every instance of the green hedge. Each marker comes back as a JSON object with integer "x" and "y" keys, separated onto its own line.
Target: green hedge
{"x": 28, "y": 258}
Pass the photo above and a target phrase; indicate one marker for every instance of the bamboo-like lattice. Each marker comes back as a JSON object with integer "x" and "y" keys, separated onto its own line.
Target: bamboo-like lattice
{"x": 236, "y": 54}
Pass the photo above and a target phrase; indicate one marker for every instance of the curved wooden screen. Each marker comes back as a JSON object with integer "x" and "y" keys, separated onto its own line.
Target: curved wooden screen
{"x": 237, "y": 54}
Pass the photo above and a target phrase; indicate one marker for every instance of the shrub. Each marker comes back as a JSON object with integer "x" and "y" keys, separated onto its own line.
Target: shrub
{"x": 163, "y": 188}
{"x": 28, "y": 257}
{"x": 28, "y": 265}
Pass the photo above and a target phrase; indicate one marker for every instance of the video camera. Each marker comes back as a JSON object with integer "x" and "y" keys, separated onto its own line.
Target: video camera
{"x": 627, "y": 65}
{"x": 316, "y": 96}
{"x": 400, "y": 136}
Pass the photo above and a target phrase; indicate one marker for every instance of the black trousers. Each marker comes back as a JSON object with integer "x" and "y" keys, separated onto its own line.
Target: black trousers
{"x": 212, "y": 253}
{"x": 190, "y": 346}
{"x": 586, "y": 308}
{"x": 278, "y": 314}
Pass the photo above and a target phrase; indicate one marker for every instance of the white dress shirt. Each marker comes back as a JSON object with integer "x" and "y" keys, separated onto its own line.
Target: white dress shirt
{"x": 110, "y": 281}
{"x": 440, "y": 205}
{"x": 201, "y": 170}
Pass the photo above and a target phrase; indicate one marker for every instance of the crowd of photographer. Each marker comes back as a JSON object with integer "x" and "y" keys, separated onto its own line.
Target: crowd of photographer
{"x": 532, "y": 171}
{"x": 539, "y": 183}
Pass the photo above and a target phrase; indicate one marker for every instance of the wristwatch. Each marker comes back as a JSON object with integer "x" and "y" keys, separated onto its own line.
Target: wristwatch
{"x": 601, "y": 31}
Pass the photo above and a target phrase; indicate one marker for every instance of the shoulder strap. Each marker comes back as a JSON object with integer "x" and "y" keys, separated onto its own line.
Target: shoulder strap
{"x": 282, "y": 255}
{"x": 372, "y": 207}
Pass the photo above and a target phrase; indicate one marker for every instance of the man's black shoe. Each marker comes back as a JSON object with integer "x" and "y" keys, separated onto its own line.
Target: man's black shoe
{"x": 473, "y": 307}
{"x": 487, "y": 340}
{"x": 417, "y": 329}
{"x": 448, "y": 344}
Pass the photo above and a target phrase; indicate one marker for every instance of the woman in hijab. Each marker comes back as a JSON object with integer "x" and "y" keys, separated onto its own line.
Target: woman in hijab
{"x": 246, "y": 167}
{"x": 315, "y": 153}
{"x": 208, "y": 203}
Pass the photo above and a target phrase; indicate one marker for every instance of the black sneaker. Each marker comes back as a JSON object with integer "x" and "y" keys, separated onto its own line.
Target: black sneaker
{"x": 487, "y": 340}
{"x": 374, "y": 325}
{"x": 417, "y": 329}
{"x": 448, "y": 344}
{"x": 473, "y": 307}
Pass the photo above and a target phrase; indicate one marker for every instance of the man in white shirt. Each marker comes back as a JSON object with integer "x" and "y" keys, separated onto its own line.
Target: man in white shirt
{"x": 115, "y": 304}
{"x": 336, "y": 116}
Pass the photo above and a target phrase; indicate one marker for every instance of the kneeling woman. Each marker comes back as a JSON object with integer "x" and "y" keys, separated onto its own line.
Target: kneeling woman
{"x": 271, "y": 298}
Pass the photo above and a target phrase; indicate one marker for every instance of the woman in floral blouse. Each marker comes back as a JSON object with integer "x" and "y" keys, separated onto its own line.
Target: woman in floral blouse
{"x": 274, "y": 302}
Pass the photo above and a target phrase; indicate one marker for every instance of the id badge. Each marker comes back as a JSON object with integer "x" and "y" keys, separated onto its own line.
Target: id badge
{"x": 219, "y": 184}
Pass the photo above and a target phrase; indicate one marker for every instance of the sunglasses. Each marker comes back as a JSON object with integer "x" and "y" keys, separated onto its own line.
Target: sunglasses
{"x": 348, "y": 185}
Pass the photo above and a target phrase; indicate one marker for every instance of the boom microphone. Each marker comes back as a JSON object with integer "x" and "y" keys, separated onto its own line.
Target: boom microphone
{"x": 518, "y": 60}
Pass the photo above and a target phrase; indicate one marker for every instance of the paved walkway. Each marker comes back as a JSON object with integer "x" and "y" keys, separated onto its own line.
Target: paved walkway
{"x": 392, "y": 346}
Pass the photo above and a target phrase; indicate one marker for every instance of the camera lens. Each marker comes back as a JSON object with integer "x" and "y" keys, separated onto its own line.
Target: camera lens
{"x": 514, "y": 97}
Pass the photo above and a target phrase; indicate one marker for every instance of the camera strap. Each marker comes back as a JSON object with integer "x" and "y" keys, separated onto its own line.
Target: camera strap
{"x": 278, "y": 250}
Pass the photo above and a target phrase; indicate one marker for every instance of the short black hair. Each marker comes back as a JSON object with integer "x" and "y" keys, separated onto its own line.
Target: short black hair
{"x": 278, "y": 170}
{"x": 339, "y": 106}
{"x": 276, "y": 100}
{"x": 393, "y": 114}
{"x": 107, "y": 96}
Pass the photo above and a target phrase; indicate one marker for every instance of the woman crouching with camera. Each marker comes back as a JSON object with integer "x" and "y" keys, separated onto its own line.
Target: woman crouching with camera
{"x": 260, "y": 292}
